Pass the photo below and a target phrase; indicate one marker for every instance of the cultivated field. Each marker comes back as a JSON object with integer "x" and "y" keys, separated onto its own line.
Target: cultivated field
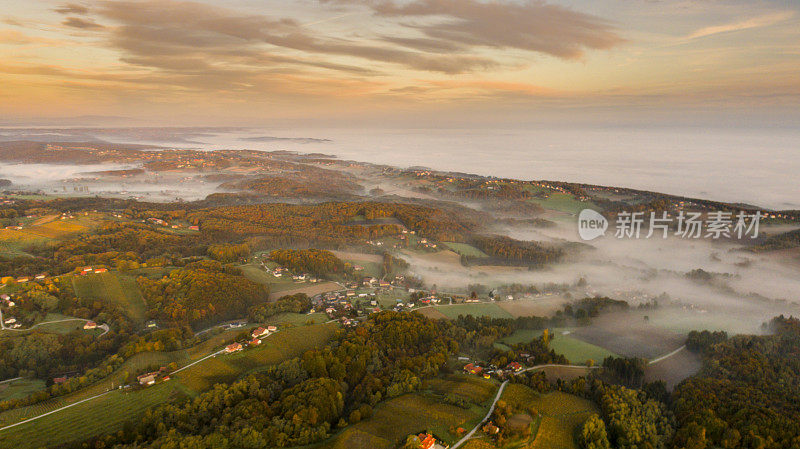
{"x": 474, "y": 309}
{"x": 395, "y": 419}
{"x": 285, "y": 344}
{"x": 309, "y": 289}
{"x": 473, "y": 388}
{"x": 464, "y": 249}
{"x": 674, "y": 369}
{"x": 545, "y": 306}
{"x": 111, "y": 287}
{"x": 625, "y": 333}
{"x": 577, "y": 351}
{"x": 99, "y": 416}
{"x": 561, "y": 415}
{"x": 433, "y": 313}
{"x": 20, "y": 388}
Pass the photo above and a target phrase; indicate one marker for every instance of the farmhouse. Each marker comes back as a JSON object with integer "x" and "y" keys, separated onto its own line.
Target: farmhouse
{"x": 147, "y": 379}
{"x": 90, "y": 325}
{"x": 514, "y": 366}
{"x": 259, "y": 331}
{"x": 233, "y": 348}
{"x": 473, "y": 369}
{"x": 272, "y": 328}
{"x": 255, "y": 342}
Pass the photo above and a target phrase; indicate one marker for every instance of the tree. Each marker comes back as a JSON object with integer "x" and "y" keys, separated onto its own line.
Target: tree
{"x": 593, "y": 434}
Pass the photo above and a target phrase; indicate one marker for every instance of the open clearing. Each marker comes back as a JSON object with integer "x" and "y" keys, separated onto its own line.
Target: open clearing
{"x": 562, "y": 415}
{"x": 114, "y": 288}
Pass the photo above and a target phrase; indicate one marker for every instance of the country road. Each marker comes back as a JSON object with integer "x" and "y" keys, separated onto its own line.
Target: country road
{"x": 54, "y": 411}
{"x": 666, "y": 356}
{"x": 3, "y": 327}
{"x": 478, "y": 426}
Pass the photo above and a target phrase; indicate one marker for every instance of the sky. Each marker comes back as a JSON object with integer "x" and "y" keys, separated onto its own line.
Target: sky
{"x": 420, "y": 63}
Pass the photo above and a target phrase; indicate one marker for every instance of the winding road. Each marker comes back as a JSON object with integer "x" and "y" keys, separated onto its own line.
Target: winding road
{"x": 3, "y": 324}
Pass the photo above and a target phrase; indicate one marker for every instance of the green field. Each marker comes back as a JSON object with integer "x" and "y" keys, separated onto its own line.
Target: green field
{"x": 577, "y": 351}
{"x": 464, "y": 249}
{"x": 474, "y": 309}
{"x": 561, "y": 415}
{"x": 111, "y": 287}
{"x": 20, "y": 388}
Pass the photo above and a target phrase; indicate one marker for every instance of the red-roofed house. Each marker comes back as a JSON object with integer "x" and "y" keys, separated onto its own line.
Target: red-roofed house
{"x": 472, "y": 369}
{"x": 515, "y": 366}
{"x": 233, "y": 347}
{"x": 258, "y": 332}
{"x": 426, "y": 441}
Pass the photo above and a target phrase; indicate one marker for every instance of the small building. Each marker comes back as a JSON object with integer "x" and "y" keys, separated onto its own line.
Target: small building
{"x": 233, "y": 348}
{"x": 101, "y": 270}
{"x": 22, "y": 280}
{"x": 272, "y": 328}
{"x": 11, "y": 321}
{"x": 59, "y": 380}
{"x": 90, "y": 325}
{"x": 255, "y": 342}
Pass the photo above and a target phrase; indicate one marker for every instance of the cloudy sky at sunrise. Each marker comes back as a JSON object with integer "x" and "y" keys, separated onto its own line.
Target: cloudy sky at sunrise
{"x": 246, "y": 61}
